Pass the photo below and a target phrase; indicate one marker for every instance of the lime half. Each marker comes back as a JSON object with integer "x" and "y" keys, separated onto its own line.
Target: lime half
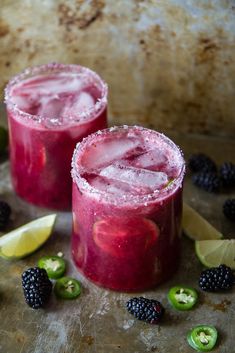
{"x": 213, "y": 253}
{"x": 27, "y": 238}
{"x": 196, "y": 227}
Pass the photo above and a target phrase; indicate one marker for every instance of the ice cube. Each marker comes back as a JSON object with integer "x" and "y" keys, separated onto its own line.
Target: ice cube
{"x": 98, "y": 183}
{"x": 50, "y": 107}
{"x": 78, "y": 104}
{"x": 84, "y": 101}
{"x": 136, "y": 177}
{"x": 112, "y": 186}
{"x": 152, "y": 159}
{"x": 105, "y": 153}
{"x": 50, "y": 85}
{"x": 116, "y": 187}
{"x": 22, "y": 102}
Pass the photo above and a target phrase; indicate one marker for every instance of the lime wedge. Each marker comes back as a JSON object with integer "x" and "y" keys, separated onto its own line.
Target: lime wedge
{"x": 196, "y": 227}
{"x": 27, "y": 238}
{"x": 3, "y": 139}
{"x": 213, "y": 253}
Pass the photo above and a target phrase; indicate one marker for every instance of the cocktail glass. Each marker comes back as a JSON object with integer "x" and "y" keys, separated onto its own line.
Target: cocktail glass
{"x": 50, "y": 108}
{"x": 127, "y": 207}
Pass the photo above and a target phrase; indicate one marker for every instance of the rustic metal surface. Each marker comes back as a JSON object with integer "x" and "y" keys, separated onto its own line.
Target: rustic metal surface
{"x": 97, "y": 322}
{"x": 167, "y": 63}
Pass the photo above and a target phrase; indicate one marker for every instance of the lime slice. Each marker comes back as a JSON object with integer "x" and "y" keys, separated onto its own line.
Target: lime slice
{"x": 27, "y": 238}
{"x": 3, "y": 139}
{"x": 213, "y": 253}
{"x": 125, "y": 237}
{"x": 196, "y": 227}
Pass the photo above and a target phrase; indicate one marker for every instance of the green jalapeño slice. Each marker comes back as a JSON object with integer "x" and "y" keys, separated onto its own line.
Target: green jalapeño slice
{"x": 182, "y": 298}
{"x": 202, "y": 338}
{"x": 67, "y": 288}
{"x": 54, "y": 266}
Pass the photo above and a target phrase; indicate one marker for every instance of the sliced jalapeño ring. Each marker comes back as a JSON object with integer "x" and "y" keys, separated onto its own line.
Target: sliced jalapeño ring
{"x": 202, "y": 338}
{"x": 54, "y": 266}
{"x": 67, "y": 288}
{"x": 182, "y": 298}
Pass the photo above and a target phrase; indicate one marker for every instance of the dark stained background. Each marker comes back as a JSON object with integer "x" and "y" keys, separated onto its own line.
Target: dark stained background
{"x": 170, "y": 65}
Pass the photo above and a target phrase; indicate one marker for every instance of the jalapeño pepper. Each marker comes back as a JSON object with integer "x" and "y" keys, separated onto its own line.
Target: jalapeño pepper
{"x": 202, "y": 338}
{"x": 182, "y": 298}
{"x": 67, "y": 288}
{"x": 54, "y": 265}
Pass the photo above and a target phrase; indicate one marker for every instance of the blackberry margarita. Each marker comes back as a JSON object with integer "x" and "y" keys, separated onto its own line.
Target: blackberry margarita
{"x": 127, "y": 207}
{"x": 50, "y": 108}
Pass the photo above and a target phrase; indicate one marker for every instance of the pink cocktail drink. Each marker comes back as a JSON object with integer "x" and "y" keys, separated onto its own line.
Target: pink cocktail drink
{"x": 50, "y": 108}
{"x": 127, "y": 207}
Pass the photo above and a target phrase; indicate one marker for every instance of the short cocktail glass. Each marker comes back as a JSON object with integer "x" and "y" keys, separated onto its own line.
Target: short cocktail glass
{"x": 127, "y": 207}
{"x": 50, "y": 108}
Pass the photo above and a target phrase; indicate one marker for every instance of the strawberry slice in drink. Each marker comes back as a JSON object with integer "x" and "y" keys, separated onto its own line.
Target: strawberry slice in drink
{"x": 122, "y": 237}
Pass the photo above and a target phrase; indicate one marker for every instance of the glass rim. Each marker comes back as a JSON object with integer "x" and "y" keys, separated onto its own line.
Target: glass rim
{"x": 103, "y": 196}
{"x": 86, "y": 116}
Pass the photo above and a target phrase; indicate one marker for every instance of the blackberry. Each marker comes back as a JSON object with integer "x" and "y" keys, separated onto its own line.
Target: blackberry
{"x": 207, "y": 181}
{"x": 216, "y": 278}
{"x": 144, "y": 309}
{"x": 5, "y": 212}
{"x": 37, "y": 287}
{"x": 229, "y": 209}
{"x": 201, "y": 163}
{"x": 227, "y": 174}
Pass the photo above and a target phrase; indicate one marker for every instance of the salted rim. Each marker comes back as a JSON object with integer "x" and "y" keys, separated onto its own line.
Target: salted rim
{"x": 103, "y": 196}
{"x": 86, "y": 115}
